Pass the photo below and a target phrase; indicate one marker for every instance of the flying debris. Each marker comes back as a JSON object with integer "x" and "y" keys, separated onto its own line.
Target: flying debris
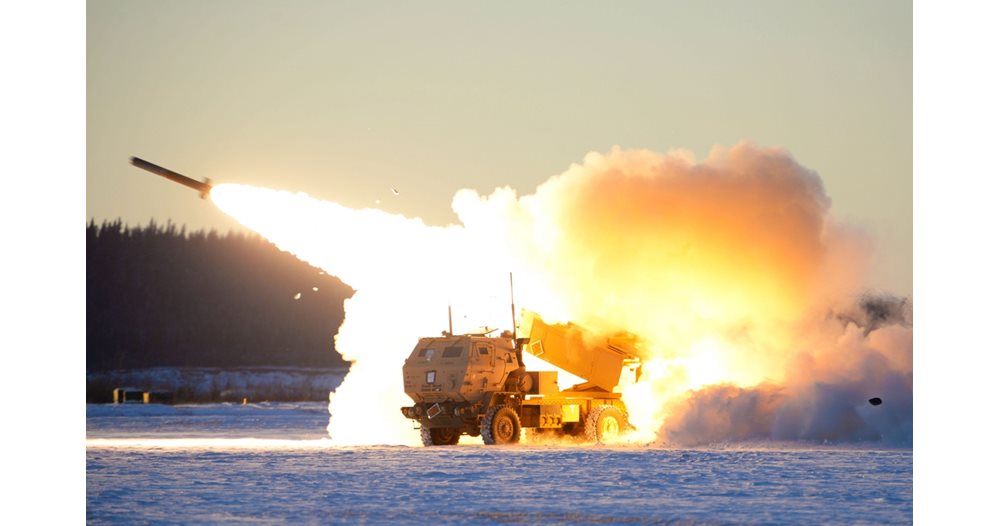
{"x": 395, "y": 192}
{"x": 875, "y": 401}
{"x": 203, "y": 188}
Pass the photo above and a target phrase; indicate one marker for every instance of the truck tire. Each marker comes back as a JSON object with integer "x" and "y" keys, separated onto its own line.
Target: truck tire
{"x": 439, "y": 436}
{"x": 605, "y": 423}
{"x": 501, "y": 426}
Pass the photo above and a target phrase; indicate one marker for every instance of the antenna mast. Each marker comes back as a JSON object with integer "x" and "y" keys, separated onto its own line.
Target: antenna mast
{"x": 513, "y": 318}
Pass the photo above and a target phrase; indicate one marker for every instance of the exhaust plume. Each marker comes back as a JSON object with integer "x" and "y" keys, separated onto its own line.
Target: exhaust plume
{"x": 851, "y": 381}
{"x": 730, "y": 270}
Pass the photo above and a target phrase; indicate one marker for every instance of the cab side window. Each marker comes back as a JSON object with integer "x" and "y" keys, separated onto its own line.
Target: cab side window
{"x": 483, "y": 353}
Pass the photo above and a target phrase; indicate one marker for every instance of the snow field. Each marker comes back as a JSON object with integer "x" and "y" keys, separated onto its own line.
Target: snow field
{"x": 224, "y": 464}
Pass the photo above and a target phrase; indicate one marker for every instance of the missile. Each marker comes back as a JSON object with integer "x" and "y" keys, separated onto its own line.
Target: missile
{"x": 203, "y": 188}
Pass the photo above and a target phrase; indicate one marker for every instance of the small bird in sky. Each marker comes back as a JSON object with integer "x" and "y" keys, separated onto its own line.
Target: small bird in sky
{"x": 395, "y": 192}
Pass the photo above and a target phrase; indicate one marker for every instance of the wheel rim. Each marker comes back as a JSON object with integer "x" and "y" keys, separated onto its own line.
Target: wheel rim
{"x": 610, "y": 427}
{"x": 505, "y": 429}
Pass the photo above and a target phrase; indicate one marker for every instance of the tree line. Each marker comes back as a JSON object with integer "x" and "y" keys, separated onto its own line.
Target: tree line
{"x": 160, "y": 296}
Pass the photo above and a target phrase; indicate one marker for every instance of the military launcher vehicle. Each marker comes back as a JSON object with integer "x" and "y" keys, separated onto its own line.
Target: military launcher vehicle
{"x": 479, "y": 386}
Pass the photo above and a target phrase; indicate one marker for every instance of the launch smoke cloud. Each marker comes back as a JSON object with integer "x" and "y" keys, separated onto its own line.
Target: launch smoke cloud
{"x": 743, "y": 287}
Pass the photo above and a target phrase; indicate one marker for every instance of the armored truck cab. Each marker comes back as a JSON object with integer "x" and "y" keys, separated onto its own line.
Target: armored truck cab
{"x": 458, "y": 368}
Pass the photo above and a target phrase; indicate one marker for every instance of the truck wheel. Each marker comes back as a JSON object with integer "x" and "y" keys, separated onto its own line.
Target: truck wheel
{"x": 439, "y": 436}
{"x": 605, "y": 423}
{"x": 501, "y": 426}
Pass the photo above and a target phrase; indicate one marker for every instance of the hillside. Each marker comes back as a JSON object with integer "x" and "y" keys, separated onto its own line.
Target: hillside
{"x": 160, "y": 296}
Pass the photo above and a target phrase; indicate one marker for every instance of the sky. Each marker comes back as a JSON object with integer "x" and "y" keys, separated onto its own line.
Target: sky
{"x": 347, "y": 101}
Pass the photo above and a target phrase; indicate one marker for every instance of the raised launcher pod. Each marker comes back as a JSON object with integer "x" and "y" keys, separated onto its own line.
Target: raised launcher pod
{"x": 571, "y": 348}
{"x": 203, "y": 188}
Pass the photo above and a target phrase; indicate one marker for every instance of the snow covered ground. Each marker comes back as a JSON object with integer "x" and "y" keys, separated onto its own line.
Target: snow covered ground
{"x": 211, "y": 384}
{"x": 269, "y": 463}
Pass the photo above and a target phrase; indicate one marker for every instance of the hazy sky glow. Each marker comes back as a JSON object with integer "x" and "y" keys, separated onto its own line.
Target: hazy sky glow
{"x": 345, "y": 101}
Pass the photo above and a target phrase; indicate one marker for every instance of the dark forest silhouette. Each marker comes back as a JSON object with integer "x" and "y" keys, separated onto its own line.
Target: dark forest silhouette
{"x": 159, "y": 296}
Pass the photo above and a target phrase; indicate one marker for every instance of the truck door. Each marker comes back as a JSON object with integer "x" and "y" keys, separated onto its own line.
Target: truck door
{"x": 481, "y": 360}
